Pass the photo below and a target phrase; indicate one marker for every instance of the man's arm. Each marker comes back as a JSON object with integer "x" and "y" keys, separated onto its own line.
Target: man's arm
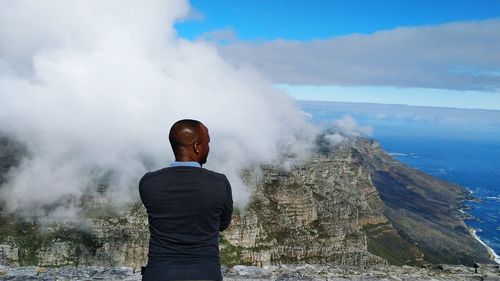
{"x": 227, "y": 212}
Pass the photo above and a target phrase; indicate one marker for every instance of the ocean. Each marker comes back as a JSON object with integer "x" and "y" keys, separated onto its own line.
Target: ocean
{"x": 459, "y": 146}
{"x": 471, "y": 164}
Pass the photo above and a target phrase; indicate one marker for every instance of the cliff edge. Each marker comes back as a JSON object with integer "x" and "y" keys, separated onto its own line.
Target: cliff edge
{"x": 351, "y": 204}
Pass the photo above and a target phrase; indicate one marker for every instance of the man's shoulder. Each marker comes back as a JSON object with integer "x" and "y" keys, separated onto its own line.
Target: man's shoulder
{"x": 172, "y": 171}
{"x": 214, "y": 174}
{"x": 154, "y": 173}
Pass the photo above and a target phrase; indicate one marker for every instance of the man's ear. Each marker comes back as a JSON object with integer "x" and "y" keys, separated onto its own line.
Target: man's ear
{"x": 196, "y": 147}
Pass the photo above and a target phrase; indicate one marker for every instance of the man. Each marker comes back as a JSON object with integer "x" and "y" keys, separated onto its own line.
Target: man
{"x": 187, "y": 206}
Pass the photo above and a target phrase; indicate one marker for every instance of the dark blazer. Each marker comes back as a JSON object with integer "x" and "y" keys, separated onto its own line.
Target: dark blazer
{"x": 187, "y": 207}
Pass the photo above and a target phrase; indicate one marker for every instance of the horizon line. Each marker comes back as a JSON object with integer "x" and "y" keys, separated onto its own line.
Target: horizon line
{"x": 398, "y": 104}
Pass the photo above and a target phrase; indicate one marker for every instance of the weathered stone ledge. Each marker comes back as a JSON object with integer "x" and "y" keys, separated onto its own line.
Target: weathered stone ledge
{"x": 331, "y": 273}
{"x": 274, "y": 273}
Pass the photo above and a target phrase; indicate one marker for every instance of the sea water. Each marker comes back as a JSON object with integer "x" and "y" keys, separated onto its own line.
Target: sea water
{"x": 459, "y": 146}
{"x": 471, "y": 164}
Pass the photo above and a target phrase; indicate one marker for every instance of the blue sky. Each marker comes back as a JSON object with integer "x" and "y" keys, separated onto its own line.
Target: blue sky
{"x": 306, "y": 20}
{"x": 435, "y": 53}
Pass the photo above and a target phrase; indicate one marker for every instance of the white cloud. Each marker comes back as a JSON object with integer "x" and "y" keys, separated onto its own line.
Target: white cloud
{"x": 334, "y": 139}
{"x": 345, "y": 129}
{"x": 92, "y": 88}
{"x": 462, "y": 56}
{"x": 224, "y": 36}
{"x": 349, "y": 127}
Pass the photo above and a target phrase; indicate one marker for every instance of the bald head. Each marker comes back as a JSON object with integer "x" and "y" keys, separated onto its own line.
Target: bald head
{"x": 189, "y": 140}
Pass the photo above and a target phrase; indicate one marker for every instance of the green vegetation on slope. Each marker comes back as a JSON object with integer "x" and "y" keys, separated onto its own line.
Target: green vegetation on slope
{"x": 384, "y": 242}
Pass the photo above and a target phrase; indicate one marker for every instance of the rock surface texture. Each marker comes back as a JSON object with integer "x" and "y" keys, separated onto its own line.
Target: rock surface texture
{"x": 348, "y": 205}
{"x": 272, "y": 273}
{"x": 315, "y": 212}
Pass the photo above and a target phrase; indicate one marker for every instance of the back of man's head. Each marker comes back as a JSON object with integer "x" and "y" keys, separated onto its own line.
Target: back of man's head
{"x": 190, "y": 141}
{"x": 184, "y": 133}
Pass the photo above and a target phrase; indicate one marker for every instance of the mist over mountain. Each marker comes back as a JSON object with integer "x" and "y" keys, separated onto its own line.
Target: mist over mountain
{"x": 92, "y": 88}
{"x": 349, "y": 204}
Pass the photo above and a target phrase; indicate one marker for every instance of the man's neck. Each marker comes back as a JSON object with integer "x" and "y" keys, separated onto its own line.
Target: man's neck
{"x": 186, "y": 164}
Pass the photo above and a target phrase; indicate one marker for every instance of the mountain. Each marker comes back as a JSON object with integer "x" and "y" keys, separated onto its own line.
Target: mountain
{"x": 348, "y": 204}
{"x": 353, "y": 204}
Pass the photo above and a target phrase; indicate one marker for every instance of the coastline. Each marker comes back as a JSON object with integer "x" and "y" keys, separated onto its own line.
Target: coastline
{"x": 494, "y": 256}
{"x": 473, "y": 231}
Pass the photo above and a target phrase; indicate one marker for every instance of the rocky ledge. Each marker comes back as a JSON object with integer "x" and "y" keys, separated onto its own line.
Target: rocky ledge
{"x": 279, "y": 273}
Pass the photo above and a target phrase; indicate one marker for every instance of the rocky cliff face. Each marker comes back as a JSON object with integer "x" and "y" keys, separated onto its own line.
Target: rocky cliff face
{"x": 315, "y": 212}
{"x": 424, "y": 210}
{"x": 350, "y": 205}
